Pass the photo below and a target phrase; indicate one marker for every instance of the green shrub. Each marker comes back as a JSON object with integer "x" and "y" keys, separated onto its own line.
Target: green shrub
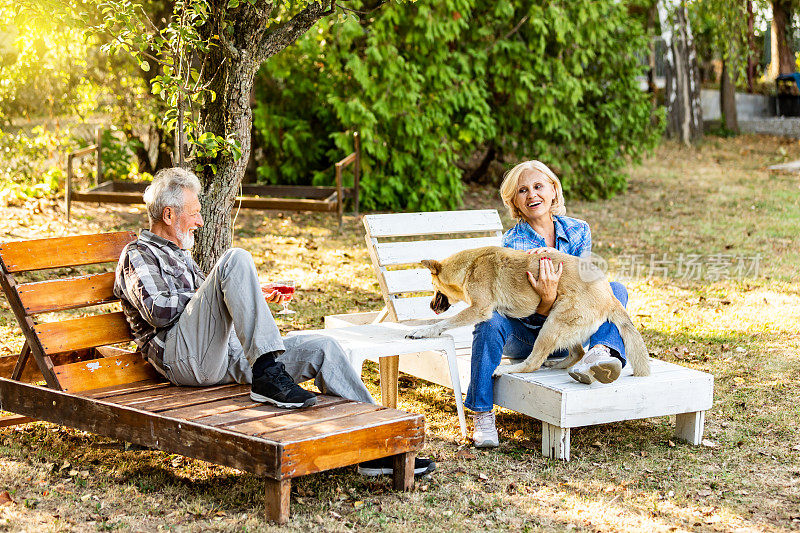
{"x": 31, "y": 164}
{"x": 427, "y": 84}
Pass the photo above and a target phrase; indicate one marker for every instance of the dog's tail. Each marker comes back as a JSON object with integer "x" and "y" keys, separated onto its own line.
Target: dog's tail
{"x": 635, "y": 350}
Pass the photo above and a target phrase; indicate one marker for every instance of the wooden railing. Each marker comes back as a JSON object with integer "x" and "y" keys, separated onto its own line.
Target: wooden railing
{"x": 97, "y": 147}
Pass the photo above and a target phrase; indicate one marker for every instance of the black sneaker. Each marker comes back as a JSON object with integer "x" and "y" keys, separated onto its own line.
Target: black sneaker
{"x": 385, "y": 465}
{"x": 277, "y": 387}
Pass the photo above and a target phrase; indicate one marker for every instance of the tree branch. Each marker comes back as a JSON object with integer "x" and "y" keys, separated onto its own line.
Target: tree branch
{"x": 288, "y": 32}
{"x": 367, "y": 12}
{"x": 514, "y": 30}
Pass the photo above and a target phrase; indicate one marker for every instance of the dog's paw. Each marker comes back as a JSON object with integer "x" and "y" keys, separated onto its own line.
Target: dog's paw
{"x": 504, "y": 369}
{"x": 422, "y": 333}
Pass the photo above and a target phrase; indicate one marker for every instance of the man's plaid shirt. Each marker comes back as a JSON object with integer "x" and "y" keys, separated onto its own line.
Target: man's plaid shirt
{"x": 572, "y": 236}
{"x": 155, "y": 280}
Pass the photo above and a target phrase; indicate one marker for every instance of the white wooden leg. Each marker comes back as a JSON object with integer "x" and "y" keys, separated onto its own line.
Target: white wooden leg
{"x": 455, "y": 381}
{"x": 555, "y": 441}
{"x": 689, "y": 426}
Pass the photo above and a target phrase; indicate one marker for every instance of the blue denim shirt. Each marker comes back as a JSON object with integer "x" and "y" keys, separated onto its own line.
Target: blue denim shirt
{"x": 573, "y": 236}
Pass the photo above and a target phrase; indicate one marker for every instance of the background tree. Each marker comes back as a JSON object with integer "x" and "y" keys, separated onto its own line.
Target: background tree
{"x": 782, "y": 60}
{"x": 207, "y": 54}
{"x": 432, "y": 85}
{"x": 684, "y": 110}
{"x": 723, "y": 26}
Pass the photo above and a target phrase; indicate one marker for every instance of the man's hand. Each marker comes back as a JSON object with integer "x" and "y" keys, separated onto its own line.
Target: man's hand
{"x": 272, "y": 296}
{"x": 547, "y": 284}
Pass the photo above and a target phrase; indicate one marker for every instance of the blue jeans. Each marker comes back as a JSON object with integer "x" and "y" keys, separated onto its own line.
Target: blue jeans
{"x": 513, "y": 337}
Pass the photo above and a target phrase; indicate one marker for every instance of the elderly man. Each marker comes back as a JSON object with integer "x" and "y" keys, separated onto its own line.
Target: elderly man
{"x": 201, "y": 331}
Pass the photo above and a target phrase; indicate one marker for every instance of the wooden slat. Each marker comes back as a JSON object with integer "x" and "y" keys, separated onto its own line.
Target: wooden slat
{"x": 346, "y": 448}
{"x": 411, "y": 280}
{"x": 104, "y": 372}
{"x": 14, "y": 420}
{"x": 351, "y": 440}
{"x": 442, "y": 222}
{"x": 260, "y": 411}
{"x": 228, "y": 405}
{"x": 196, "y": 397}
{"x": 133, "y": 395}
{"x": 337, "y": 426}
{"x": 60, "y": 252}
{"x": 288, "y": 204}
{"x": 302, "y": 417}
{"x": 411, "y": 252}
{"x": 247, "y": 202}
{"x": 30, "y": 374}
{"x": 87, "y": 332}
{"x": 158, "y": 382}
{"x": 419, "y": 308}
{"x": 184, "y": 437}
{"x": 288, "y": 191}
{"x": 108, "y": 197}
{"x": 71, "y": 293}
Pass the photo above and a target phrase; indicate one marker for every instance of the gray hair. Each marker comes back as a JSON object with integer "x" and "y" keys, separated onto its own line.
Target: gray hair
{"x": 167, "y": 191}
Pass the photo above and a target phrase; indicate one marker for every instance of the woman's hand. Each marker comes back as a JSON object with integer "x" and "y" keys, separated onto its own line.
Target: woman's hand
{"x": 542, "y": 250}
{"x": 547, "y": 284}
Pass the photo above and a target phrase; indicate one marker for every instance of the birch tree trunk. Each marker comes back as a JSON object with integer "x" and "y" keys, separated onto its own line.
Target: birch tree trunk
{"x": 252, "y": 41}
{"x": 684, "y": 111}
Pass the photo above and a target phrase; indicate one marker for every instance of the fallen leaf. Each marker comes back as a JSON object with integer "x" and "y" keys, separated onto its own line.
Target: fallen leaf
{"x": 518, "y": 433}
{"x": 483, "y": 477}
{"x": 709, "y": 443}
{"x": 465, "y": 454}
{"x": 597, "y": 444}
{"x": 5, "y": 498}
{"x": 670, "y": 444}
{"x": 358, "y": 504}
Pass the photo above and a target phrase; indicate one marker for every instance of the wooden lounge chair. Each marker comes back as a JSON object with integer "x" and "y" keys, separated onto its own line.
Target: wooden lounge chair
{"x": 93, "y": 386}
{"x": 398, "y": 241}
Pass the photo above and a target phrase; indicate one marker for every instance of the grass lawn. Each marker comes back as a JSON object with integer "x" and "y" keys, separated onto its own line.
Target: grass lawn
{"x": 708, "y": 244}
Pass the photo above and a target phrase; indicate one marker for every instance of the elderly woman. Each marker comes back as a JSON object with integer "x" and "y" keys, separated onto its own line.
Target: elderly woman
{"x": 532, "y": 193}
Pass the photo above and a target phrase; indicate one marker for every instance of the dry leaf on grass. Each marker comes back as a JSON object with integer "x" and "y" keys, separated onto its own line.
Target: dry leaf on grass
{"x": 465, "y": 454}
{"x": 5, "y": 498}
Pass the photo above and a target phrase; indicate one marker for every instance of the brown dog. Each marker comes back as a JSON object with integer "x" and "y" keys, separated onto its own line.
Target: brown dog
{"x": 494, "y": 278}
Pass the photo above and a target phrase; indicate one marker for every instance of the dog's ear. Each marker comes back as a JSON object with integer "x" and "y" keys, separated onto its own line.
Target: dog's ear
{"x": 434, "y": 266}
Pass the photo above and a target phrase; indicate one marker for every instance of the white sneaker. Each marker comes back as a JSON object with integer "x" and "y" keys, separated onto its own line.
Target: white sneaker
{"x": 484, "y": 433}
{"x": 598, "y": 364}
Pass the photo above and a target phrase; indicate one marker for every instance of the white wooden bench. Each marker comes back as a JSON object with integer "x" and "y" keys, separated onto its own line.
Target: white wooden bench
{"x": 397, "y": 242}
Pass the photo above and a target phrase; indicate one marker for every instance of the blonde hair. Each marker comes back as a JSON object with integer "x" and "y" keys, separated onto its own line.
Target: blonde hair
{"x": 508, "y": 189}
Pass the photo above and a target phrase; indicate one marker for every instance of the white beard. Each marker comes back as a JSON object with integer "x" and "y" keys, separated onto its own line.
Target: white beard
{"x": 186, "y": 240}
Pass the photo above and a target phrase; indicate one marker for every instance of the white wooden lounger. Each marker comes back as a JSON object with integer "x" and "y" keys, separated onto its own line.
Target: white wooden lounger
{"x": 397, "y": 242}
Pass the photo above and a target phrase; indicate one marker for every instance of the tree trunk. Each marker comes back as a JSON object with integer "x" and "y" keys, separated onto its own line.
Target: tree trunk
{"x": 751, "y": 47}
{"x": 252, "y": 41}
{"x": 781, "y": 58}
{"x": 684, "y": 111}
{"x": 727, "y": 100}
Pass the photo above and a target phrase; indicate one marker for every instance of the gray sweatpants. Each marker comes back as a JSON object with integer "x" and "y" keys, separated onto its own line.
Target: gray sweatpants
{"x": 227, "y": 326}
